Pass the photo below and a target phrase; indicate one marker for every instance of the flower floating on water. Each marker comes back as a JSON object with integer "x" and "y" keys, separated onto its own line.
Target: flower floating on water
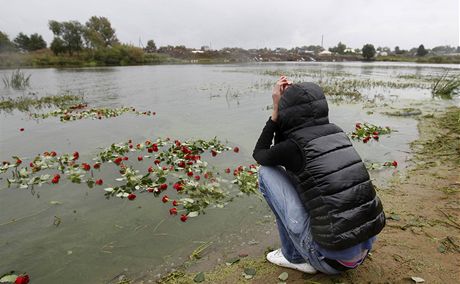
{"x": 22, "y": 279}
{"x": 183, "y": 217}
{"x": 78, "y": 112}
{"x": 131, "y": 196}
{"x": 367, "y": 131}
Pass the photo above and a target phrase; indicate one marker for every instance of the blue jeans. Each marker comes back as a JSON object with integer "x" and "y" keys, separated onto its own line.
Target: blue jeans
{"x": 292, "y": 219}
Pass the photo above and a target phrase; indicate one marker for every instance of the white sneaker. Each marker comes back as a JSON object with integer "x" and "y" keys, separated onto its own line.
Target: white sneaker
{"x": 277, "y": 257}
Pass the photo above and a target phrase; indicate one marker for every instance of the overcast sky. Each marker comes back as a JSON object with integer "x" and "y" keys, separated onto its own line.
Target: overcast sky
{"x": 250, "y": 23}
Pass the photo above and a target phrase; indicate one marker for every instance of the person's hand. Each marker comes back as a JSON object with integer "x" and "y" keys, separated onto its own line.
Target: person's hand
{"x": 281, "y": 85}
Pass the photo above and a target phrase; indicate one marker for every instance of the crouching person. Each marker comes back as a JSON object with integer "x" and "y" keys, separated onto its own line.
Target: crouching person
{"x": 316, "y": 184}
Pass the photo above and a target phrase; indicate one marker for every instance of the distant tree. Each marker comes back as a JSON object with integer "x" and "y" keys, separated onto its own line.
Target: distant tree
{"x": 22, "y": 42}
{"x": 421, "y": 51}
{"x": 340, "y": 48}
{"x": 443, "y": 49}
{"x": 368, "y": 51}
{"x": 26, "y": 43}
{"x": 36, "y": 42}
{"x": 99, "y": 33}
{"x": 458, "y": 49}
{"x": 5, "y": 43}
{"x": 397, "y": 50}
{"x": 151, "y": 47}
{"x": 69, "y": 34}
{"x": 58, "y": 46}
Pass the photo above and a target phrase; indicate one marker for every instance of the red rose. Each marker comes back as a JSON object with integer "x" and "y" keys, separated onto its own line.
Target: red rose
{"x": 57, "y": 176}
{"x": 183, "y": 217}
{"x": 47, "y": 154}
{"x": 157, "y": 162}
{"x": 394, "y": 164}
{"x": 197, "y": 177}
{"x": 366, "y": 139}
{"x": 32, "y": 164}
{"x": 21, "y": 129}
{"x": 130, "y": 146}
{"x": 173, "y": 211}
{"x": 53, "y": 154}
{"x": 150, "y": 189}
{"x": 375, "y": 133}
{"x": 140, "y": 158}
{"x": 190, "y": 174}
{"x": 165, "y": 199}
{"x": 155, "y": 147}
{"x": 163, "y": 186}
{"x": 55, "y": 180}
{"x": 227, "y": 170}
{"x": 18, "y": 161}
{"x": 189, "y": 163}
{"x": 130, "y": 141}
{"x": 376, "y": 137}
{"x": 358, "y": 125}
{"x": 97, "y": 165}
{"x": 131, "y": 196}
{"x": 99, "y": 182}
{"x": 150, "y": 169}
{"x": 213, "y": 153}
{"x": 118, "y": 160}
{"x": 22, "y": 279}
{"x": 76, "y": 155}
{"x": 236, "y": 149}
{"x": 150, "y": 150}
{"x": 85, "y": 166}
{"x": 206, "y": 175}
{"x": 181, "y": 164}
{"x": 154, "y": 113}
{"x": 175, "y": 203}
{"x": 164, "y": 168}
{"x": 178, "y": 186}
{"x": 177, "y": 142}
{"x": 125, "y": 158}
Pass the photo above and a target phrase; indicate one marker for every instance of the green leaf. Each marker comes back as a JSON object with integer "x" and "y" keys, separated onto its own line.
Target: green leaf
{"x": 250, "y": 271}
{"x": 8, "y": 278}
{"x": 232, "y": 261}
{"x": 283, "y": 276}
{"x": 199, "y": 277}
{"x": 193, "y": 214}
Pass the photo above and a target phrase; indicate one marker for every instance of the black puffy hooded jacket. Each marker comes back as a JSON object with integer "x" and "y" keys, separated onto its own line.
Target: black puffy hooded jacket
{"x": 333, "y": 182}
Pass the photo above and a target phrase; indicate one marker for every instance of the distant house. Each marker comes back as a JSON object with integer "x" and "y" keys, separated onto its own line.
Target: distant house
{"x": 325, "y": 53}
{"x": 205, "y": 48}
{"x": 349, "y": 50}
{"x": 197, "y": 51}
{"x": 382, "y": 53}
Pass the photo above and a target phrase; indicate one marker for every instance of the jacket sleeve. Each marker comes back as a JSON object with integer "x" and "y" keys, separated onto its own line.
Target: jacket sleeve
{"x": 285, "y": 153}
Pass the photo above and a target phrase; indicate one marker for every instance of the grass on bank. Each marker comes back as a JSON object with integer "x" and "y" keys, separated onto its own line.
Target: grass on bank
{"x": 121, "y": 55}
{"x": 446, "y": 86}
{"x": 445, "y": 143}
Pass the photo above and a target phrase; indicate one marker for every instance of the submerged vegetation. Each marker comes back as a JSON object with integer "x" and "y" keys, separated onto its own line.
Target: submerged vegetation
{"x": 18, "y": 80}
{"x": 26, "y": 103}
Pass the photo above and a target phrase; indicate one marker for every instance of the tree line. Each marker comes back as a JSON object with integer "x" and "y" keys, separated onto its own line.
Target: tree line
{"x": 98, "y": 42}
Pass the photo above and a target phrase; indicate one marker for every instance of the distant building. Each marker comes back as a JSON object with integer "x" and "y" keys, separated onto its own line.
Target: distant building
{"x": 205, "y": 48}
{"x": 382, "y": 53}
{"x": 325, "y": 53}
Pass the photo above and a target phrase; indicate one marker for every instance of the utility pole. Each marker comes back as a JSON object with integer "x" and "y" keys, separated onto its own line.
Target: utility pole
{"x": 322, "y": 38}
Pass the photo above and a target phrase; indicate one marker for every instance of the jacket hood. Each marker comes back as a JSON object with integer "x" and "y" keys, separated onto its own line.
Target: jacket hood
{"x": 302, "y": 105}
